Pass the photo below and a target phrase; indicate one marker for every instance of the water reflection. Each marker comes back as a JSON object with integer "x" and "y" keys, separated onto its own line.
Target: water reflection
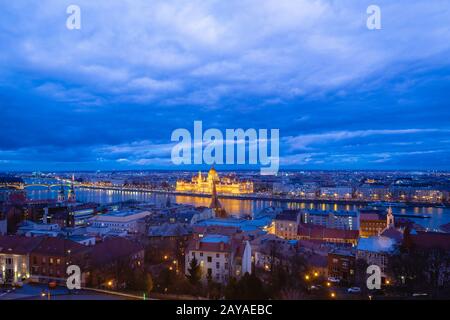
{"x": 235, "y": 207}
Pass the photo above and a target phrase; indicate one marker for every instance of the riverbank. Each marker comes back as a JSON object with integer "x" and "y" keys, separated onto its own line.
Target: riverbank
{"x": 262, "y": 197}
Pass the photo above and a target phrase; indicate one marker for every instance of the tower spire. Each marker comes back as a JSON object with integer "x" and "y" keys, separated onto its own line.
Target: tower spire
{"x": 61, "y": 194}
{"x": 215, "y": 205}
{"x": 390, "y": 219}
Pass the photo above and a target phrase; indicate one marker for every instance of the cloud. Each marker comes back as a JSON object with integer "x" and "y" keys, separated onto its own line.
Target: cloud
{"x": 110, "y": 94}
{"x": 272, "y": 48}
{"x": 304, "y": 141}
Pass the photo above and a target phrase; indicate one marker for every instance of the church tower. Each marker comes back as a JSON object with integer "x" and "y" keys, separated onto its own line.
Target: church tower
{"x": 71, "y": 197}
{"x": 61, "y": 195}
{"x": 215, "y": 205}
{"x": 390, "y": 219}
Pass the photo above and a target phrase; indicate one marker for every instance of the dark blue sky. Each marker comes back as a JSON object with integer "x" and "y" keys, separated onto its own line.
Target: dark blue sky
{"x": 108, "y": 96}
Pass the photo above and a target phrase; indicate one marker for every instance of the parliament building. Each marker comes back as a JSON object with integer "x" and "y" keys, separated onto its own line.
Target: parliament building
{"x": 225, "y": 185}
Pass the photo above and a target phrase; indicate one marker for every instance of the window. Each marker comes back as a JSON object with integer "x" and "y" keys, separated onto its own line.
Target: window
{"x": 217, "y": 265}
{"x": 209, "y": 259}
{"x": 217, "y": 255}
{"x": 201, "y": 254}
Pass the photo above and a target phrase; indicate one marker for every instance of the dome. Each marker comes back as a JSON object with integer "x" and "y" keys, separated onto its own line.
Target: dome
{"x": 212, "y": 175}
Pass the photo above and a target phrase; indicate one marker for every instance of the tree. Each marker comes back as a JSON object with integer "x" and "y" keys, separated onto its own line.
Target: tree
{"x": 361, "y": 273}
{"x": 407, "y": 265}
{"x": 194, "y": 271}
{"x": 249, "y": 287}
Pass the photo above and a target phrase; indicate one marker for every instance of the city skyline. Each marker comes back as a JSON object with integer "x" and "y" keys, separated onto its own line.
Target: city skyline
{"x": 108, "y": 96}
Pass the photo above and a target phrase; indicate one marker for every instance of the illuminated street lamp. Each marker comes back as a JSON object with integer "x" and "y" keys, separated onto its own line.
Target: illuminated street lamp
{"x": 333, "y": 295}
{"x": 307, "y": 277}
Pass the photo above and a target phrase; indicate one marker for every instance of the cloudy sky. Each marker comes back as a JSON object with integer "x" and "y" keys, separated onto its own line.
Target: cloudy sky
{"x": 108, "y": 96}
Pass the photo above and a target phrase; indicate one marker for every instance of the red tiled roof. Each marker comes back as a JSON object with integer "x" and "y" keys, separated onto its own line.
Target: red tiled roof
{"x": 320, "y": 232}
{"x": 224, "y": 230}
{"x": 58, "y": 247}
{"x": 393, "y": 233}
{"x": 371, "y": 214}
{"x": 113, "y": 249}
{"x": 196, "y": 245}
{"x": 18, "y": 244}
{"x": 429, "y": 240}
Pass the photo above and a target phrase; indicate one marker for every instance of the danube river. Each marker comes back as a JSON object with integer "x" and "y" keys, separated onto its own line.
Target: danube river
{"x": 438, "y": 216}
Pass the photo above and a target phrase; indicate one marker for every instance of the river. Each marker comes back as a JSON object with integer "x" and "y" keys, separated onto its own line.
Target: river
{"x": 439, "y": 216}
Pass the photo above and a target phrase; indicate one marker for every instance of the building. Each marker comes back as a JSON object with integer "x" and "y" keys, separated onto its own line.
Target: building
{"x": 371, "y": 222}
{"x": 33, "y": 229}
{"x": 342, "y": 265}
{"x": 71, "y": 197}
{"x": 428, "y": 195}
{"x": 286, "y": 223}
{"x": 121, "y": 221}
{"x": 327, "y": 235}
{"x": 375, "y": 251}
{"x": 269, "y": 250}
{"x": 111, "y": 258}
{"x": 79, "y": 215}
{"x": 219, "y": 256}
{"x": 50, "y": 258}
{"x": 61, "y": 198}
{"x": 337, "y": 193}
{"x": 375, "y": 191}
{"x": 3, "y": 226}
{"x": 348, "y": 220}
{"x": 226, "y": 185}
{"x": 15, "y": 258}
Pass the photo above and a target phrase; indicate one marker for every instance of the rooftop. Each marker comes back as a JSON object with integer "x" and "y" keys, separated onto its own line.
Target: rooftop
{"x": 215, "y": 238}
{"x": 336, "y": 213}
{"x": 376, "y": 244}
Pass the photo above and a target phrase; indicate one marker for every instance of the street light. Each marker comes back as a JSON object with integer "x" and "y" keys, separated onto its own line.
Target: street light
{"x": 333, "y": 295}
{"x": 307, "y": 277}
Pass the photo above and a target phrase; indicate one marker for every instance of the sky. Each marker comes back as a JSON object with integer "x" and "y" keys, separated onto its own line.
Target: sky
{"x": 109, "y": 95}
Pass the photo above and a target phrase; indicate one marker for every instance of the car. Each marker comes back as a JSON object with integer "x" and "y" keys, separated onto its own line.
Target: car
{"x": 420, "y": 294}
{"x": 334, "y": 280}
{"x": 354, "y": 290}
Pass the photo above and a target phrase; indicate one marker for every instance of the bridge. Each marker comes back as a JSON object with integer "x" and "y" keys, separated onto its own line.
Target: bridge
{"x": 44, "y": 185}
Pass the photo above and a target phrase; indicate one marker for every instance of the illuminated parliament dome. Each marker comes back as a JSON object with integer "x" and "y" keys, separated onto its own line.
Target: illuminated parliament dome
{"x": 225, "y": 185}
